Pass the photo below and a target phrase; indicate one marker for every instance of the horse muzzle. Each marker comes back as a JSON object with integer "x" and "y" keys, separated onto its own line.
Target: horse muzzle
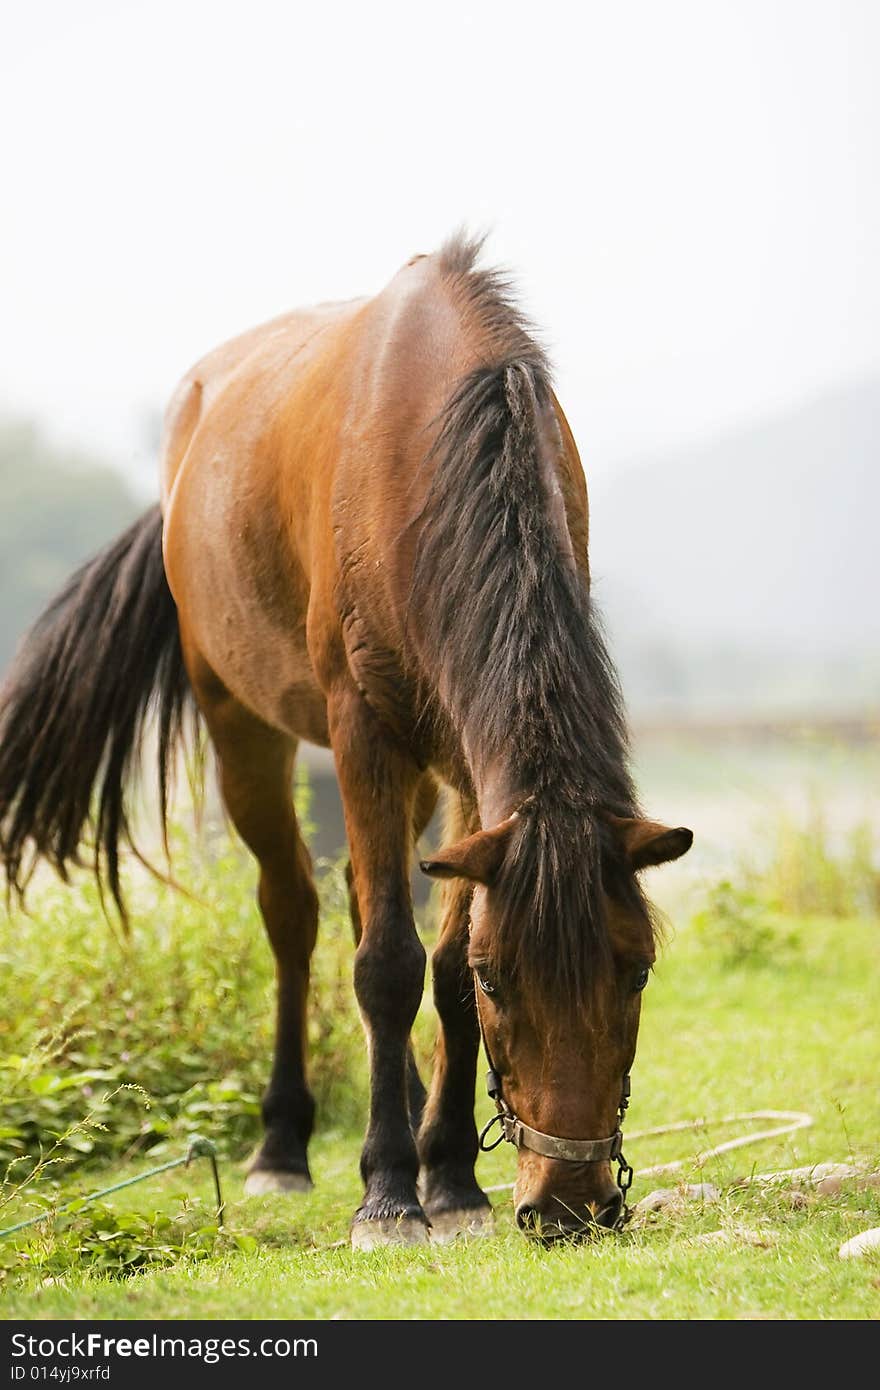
{"x": 555, "y": 1199}
{"x": 554, "y": 1219}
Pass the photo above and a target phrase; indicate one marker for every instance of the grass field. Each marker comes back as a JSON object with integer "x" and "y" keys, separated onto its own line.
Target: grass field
{"x": 753, "y": 1005}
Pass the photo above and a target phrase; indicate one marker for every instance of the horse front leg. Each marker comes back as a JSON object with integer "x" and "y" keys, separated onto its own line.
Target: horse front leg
{"x": 378, "y": 781}
{"x": 453, "y": 1201}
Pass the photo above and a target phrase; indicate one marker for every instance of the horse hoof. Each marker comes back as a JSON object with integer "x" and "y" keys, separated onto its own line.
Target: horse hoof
{"x": 464, "y": 1221}
{"x": 262, "y": 1180}
{"x": 393, "y": 1230}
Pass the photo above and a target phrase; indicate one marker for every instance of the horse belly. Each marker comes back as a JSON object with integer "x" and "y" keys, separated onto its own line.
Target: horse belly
{"x": 264, "y": 667}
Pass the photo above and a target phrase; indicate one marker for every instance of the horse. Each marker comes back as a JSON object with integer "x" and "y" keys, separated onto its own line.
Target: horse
{"x": 373, "y": 535}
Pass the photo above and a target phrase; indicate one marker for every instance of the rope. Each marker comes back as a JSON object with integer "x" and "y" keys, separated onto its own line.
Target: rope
{"x": 791, "y": 1121}
{"x": 198, "y": 1148}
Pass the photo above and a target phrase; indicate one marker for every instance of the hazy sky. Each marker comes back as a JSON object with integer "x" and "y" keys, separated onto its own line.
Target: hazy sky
{"x": 687, "y": 192}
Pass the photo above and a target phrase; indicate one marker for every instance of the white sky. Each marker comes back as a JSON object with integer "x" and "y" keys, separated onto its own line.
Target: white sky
{"x": 687, "y": 190}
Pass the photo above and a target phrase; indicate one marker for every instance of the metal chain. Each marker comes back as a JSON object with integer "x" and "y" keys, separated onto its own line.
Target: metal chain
{"x": 625, "y": 1173}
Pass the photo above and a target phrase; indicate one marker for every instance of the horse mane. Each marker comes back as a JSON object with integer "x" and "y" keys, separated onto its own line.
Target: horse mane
{"x": 518, "y": 657}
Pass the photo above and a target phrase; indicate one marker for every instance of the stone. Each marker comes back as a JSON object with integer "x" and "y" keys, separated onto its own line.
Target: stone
{"x": 861, "y": 1244}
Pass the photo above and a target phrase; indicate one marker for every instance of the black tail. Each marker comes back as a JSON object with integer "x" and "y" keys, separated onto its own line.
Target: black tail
{"x": 75, "y": 705}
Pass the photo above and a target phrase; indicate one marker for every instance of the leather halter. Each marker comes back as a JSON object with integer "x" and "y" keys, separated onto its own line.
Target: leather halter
{"x": 523, "y": 1136}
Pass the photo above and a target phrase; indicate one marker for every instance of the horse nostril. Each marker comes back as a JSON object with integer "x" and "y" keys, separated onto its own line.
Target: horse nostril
{"x": 610, "y": 1212}
{"x": 526, "y": 1216}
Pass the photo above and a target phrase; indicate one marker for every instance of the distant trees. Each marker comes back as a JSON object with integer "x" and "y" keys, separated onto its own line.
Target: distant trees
{"x": 56, "y": 509}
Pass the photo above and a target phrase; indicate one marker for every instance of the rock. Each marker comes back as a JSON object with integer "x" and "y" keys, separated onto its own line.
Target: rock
{"x": 739, "y": 1235}
{"x": 860, "y": 1244}
{"x": 677, "y": 1196}
{"x": 827, "y": 1178}
{"x": 656, "y": 1200}
{"x": 830, "y": 1186}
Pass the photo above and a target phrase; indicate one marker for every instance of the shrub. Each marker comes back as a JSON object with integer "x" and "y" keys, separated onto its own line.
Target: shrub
{"x": 736, "y": 925}
{"x": 110, "y": 1242}
{"x": 167, "y": 1033}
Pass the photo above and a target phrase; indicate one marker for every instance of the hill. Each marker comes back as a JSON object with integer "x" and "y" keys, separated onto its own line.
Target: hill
{"x": 56, "y": 509}
{"x": 744, "y": 573}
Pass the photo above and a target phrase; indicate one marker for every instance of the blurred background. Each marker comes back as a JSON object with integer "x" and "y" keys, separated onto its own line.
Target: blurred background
{"x": 687, "y": 197}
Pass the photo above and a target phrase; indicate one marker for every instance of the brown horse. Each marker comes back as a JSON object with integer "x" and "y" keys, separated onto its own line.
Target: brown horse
{"x": 374, "y": 528}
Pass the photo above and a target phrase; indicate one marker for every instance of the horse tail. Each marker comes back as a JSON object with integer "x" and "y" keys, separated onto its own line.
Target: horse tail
{"x": 75, "y": 706}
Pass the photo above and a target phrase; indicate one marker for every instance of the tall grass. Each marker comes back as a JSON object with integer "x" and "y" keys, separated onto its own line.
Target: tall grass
{"x": 170, "y": 1032}
{"x": 809, "y": 872}
{"x": 753, "y": 916}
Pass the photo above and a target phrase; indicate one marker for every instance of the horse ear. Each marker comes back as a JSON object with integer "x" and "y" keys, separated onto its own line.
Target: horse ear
{"x": 647, "y": 842}
{"x": 478, "y": 858}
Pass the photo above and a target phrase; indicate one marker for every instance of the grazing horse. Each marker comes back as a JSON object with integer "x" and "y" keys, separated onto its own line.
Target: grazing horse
{"x": 373, "y": 536}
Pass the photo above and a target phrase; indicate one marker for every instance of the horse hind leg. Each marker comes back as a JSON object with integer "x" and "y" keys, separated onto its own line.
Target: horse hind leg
{"x": 256, "y": 768}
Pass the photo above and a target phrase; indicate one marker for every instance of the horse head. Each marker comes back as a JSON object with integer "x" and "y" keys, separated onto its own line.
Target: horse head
{"x": 560, "y": 1047}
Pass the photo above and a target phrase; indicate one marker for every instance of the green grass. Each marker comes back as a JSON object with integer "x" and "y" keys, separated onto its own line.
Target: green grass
{"x": 738, "y": 1017}
{"x": 661, "y": 1272}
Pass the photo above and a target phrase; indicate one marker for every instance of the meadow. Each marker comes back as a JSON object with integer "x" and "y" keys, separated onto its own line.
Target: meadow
{"x": 114, "y": 1052}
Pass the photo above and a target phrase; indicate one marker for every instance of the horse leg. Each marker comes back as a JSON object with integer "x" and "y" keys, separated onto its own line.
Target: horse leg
{"x": 425, "y": 803}
{"x": 256, "y": 767}
{"x": 378, "y": 783}
{"x": 453, "y": 1201}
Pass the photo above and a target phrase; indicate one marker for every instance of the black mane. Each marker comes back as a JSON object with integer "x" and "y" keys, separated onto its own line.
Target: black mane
{"x": 520, "y": 663}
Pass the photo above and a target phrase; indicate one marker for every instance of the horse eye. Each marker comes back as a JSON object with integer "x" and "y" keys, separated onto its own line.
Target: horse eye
{"x": 641, "y": 980}
{"x": 485, "y": 985}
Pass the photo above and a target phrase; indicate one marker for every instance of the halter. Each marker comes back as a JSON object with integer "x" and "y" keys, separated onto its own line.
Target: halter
{"x": 523, "y": 1136}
